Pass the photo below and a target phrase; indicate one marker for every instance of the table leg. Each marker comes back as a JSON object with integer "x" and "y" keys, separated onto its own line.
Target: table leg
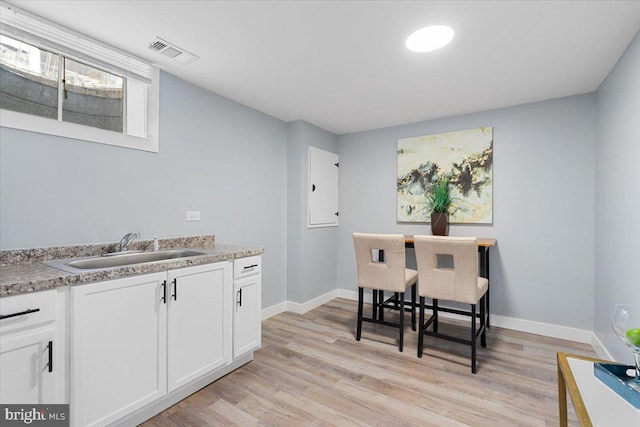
{"x": 413, "y": 306}
{"x": 562, "y": 398}
{"x": 484, "y": 272}
{"x": 380, "y": 293}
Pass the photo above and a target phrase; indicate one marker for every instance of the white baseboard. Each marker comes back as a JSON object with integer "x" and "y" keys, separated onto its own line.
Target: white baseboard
{"x": 311, "y": 304}
{"x": 599, "y": 348}
{"x": 298, "y": 308}
{"x": 268, "y": 312}
{"x": 544, "y": 329}
{"x": 522, "y": 325}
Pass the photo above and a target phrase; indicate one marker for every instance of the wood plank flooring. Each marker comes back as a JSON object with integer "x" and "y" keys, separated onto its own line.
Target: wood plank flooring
{"x": 311, "y": 371}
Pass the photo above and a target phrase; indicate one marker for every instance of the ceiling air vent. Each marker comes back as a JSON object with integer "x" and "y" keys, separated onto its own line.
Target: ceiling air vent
{"x": 172, "y": 51}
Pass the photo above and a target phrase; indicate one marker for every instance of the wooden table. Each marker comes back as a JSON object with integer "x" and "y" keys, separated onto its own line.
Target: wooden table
{"x": 484, "y": 244}
{"x": 595, "y": 403}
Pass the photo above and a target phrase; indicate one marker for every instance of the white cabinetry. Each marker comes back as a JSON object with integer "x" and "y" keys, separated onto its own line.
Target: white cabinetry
{"x": 32, "y": 349}
{"x": 199, "y": 319}
{"x": 247, "y": 319}
{"x": 138, "y": 338}
{"x": 118, "y": 347}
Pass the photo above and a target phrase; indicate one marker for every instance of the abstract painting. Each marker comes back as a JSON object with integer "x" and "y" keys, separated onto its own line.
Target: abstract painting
{"x": 465, "y": 157}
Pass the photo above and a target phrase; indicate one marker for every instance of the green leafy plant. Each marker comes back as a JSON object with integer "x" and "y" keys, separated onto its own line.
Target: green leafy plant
{"x": 439, "y": 199}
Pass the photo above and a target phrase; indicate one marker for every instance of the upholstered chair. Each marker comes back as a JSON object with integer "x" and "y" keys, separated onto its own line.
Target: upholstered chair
{"x": 458, "y": 283}
{"x": 380, "y": 260}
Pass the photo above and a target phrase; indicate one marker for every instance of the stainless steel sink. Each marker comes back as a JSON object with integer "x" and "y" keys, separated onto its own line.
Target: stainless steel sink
{"x": 121, "y": 259}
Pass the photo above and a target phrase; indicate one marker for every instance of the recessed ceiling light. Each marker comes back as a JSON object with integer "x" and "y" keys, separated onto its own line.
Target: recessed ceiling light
{"x": 429, "y": 38}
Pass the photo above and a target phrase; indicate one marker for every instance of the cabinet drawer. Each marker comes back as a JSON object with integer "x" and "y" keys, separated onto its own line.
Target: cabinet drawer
{"x": 248, "y": 266}
{"x": 27, "y": 310}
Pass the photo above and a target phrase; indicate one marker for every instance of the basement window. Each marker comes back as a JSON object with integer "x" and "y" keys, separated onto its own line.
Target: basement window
{"x": 92, "y": 97}
{"x": 58, "y": 82}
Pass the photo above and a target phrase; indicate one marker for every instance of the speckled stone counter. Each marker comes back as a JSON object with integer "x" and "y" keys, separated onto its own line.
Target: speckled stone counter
{"x": 23, "y": 271}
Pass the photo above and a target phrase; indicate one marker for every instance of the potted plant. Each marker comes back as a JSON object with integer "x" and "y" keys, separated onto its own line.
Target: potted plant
{"x": 439, "y": 202}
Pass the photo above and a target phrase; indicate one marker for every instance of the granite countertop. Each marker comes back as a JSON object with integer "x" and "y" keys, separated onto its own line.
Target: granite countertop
{"x": 23, "y": 271}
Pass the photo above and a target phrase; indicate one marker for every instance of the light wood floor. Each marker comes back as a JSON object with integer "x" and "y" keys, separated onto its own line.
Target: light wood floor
{"x": 311, "y": 371}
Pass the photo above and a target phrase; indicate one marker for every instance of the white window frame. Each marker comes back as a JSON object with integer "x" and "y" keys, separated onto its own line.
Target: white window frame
{"x": 22, "y": 25}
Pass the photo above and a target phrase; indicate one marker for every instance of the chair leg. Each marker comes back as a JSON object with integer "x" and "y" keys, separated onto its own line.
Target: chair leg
{"x": 401, "y": 341}
{"x": 421, "y": 327}
{"x": 360, "y": 304}
{"x": 374, "y": 304}
{"x": 483, "y": 320}
{"x": 380, "y": 307}
{"x": 473, "y": 338}
{"x": 435, "y": 315}
{"x": 413, "y": 306}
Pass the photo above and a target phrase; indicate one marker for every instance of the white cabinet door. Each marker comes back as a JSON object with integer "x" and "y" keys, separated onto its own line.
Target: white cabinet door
{"x": 199, "y": 321}
{"x": 247, "y": 319}
{"x": 118, "y": 347}
{"x": 33, "y": 355}
{"x": 24, "y": 367}
{"x": 323, "y": 189}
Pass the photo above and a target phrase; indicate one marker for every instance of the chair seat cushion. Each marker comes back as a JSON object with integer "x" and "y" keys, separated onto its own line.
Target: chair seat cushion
{"x": 483, "y": 285}
{"x": 410, "y": 276}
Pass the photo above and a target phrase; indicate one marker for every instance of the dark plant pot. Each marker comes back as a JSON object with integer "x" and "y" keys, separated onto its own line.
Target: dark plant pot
{"x": 440, "y": 224}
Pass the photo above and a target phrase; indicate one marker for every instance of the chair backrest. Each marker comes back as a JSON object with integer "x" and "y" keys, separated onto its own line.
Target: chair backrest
{"x": 388, "y": 275}
{"x": 453, "y": 283}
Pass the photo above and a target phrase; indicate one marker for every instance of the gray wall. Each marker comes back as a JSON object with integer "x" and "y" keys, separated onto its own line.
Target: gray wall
{"x": 617, "y": 268}
{"x": 216, "y": 156}
{"x": 247, "y": 174}
{"x": 311, "y": 260}
{"x": 544, "y": 157}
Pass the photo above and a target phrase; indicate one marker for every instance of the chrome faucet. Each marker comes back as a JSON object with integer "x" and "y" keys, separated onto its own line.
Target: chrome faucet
{"x": 126, "y": 239}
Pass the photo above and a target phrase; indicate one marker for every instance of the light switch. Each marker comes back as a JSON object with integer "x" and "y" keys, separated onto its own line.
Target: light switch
{"x": 193, "y": 215}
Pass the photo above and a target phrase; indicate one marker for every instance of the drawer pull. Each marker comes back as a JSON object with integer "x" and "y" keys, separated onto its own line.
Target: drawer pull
{"x": 250, "y": 266}
{"x": 22, "y": 313}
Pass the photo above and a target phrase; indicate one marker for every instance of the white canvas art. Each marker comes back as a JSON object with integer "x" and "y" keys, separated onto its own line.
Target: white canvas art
{"x": 465, "y": 156}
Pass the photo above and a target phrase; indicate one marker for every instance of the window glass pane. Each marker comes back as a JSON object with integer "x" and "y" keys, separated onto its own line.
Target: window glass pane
{"x": 92, "y": 97}
{"x": 28, "y": 78}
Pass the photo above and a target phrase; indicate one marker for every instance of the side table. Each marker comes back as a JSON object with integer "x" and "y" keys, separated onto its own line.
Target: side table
{"x": 595, "y": 403}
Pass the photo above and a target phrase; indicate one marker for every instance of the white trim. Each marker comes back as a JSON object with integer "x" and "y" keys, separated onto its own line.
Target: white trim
{"x": 298, "y": 308}
{"x": 353, "y": 295}
{"x": 33, "y": 29}
{"x": 31, "y": 123}
{"x": 521, "y": 325}
{"x": 268, "y": 312}
{"x": 545, "y": 329}
{"x": 153, "y": 111}
{"x": 599, "y": 348}
{"x": 301, "y": 308}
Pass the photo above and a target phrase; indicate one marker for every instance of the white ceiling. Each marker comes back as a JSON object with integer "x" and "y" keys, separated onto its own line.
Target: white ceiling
{"x": 342, "y": 65}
